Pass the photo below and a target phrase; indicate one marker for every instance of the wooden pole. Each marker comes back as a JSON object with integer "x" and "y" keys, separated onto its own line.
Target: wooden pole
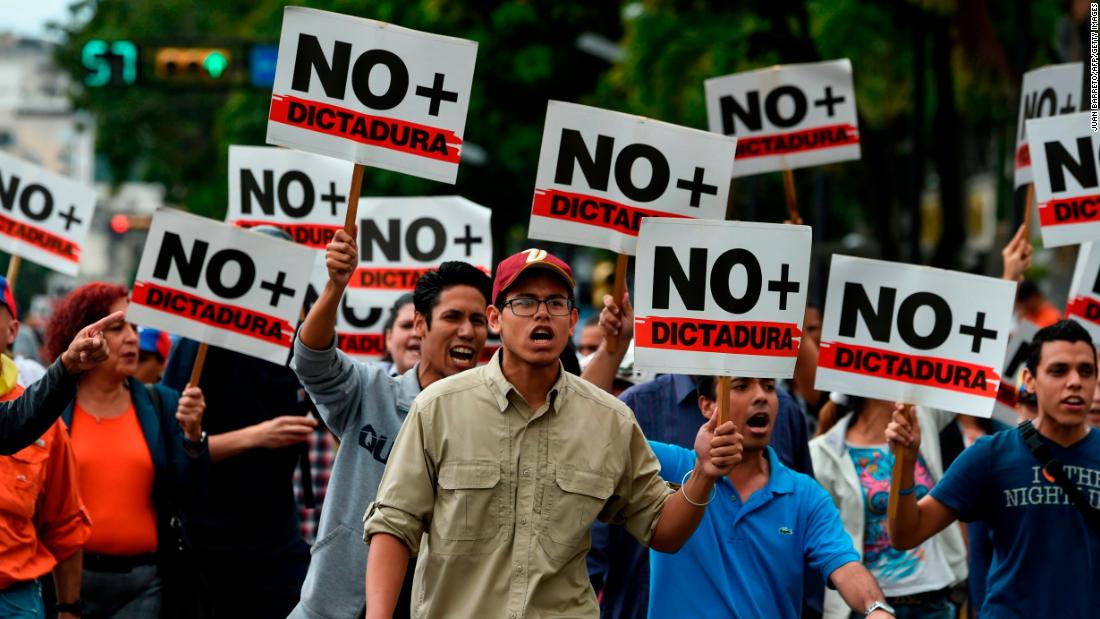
{"x": 13, "y": 270}
{"x": 617, "y": 293}
{"x": 353, "y": 198}
{"x": 792, "y": 198}
{"x": 1027, "y": 210}
{"x": 723, "y": 399}
{"x": 196, "y": 370}
{"x": 895, "y": 482}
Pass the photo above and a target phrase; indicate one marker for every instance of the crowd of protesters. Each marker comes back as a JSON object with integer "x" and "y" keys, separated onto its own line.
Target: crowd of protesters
{"x": 427, "y": 485}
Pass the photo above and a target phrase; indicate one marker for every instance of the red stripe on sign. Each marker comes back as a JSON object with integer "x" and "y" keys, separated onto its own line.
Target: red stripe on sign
{"x": 392, "y": 278}
{"x": 1006, "y": 394}
{"x": 580, "y": 208}
{"x": 39, "y": 238}
{"x": 310, "y": 235}
{"x": 372, "y": 344}
{"x": 817, "y": 138}
{"x": 913, "y": 369}
{"x": 1023, "y": 157}
{"x": 1080, "y": 210}
{"x": 1084, "y": 307}
{"x": 766, "y": 339}
{"x": 390, "y": 133}
{"x": 221, "y": 315}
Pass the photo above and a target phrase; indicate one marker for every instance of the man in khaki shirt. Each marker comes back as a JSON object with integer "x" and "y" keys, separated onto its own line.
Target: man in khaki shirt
{"x": 499, "y": 472}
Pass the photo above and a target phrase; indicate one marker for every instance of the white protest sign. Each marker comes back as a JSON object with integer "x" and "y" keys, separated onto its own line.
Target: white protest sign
{"x": 1048, "y": 91}
{"x": 44, "y": 217}
{"x": 1063, "y": 164}
{"x": 1084, "y": 291}
{"x": 400, "y": 239}
{"x": 1015, "y": 359}
{"x": 371, "y": 92}
{"x": 301, "y": 193}
{"x": 221, "y": 285}
{"x": 601, "y": 172}
{"x": 914, "y": 334}
{"x": 720, "y": 297}
{"x": 786, "y": 117}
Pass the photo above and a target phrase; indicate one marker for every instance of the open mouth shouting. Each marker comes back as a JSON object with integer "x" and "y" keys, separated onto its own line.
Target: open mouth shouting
{"x": 542, "y": 336}
{"x": 758, "y": 424}
{"x": 462, "y": 356}
{"x": 1074, "y": 403}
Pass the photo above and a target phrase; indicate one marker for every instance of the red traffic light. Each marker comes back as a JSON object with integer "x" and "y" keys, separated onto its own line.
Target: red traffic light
{"x": 120, "y": 224}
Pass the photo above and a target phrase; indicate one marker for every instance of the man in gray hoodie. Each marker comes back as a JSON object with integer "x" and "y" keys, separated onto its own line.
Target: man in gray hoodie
{"x": 365, "y": 407}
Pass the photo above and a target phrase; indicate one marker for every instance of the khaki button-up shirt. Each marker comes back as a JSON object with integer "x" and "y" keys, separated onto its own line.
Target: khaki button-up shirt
{"x": 504, "y": 496}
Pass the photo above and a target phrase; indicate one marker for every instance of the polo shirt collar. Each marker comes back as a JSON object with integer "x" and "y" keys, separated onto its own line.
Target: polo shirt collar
{"x": 501, "y": 387}
{"x": 781, "y": 481}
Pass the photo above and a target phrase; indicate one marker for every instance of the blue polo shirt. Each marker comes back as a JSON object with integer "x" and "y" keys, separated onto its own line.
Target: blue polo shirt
{"x": 747, "y": 560}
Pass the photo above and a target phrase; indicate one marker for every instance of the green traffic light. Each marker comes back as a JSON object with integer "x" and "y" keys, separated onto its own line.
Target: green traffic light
{"x": 215, "y": 64}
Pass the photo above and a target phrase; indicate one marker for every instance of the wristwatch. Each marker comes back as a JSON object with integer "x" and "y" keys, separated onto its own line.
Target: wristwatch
{"x": 195, "y": 446}
{"x": 881, "y": 606}
{"x": 73, "y": 608}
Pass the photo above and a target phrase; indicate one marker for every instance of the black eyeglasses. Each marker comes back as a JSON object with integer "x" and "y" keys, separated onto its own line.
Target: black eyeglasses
{"x": 526, "y": 307}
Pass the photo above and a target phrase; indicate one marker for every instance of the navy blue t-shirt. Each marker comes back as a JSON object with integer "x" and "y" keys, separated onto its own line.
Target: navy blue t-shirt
{"x": 1046, "y": 558}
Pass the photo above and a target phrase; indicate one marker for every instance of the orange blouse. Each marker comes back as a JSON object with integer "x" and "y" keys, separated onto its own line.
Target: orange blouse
{"x": 116, "y": 483}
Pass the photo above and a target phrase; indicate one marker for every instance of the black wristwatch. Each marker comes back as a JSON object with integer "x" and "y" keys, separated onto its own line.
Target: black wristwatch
{"x": 195, "y": 446}
{"x": 73, "y": 608}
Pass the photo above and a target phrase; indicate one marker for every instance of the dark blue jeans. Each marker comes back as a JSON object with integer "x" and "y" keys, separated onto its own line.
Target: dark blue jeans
{"x": 22, "y": 601}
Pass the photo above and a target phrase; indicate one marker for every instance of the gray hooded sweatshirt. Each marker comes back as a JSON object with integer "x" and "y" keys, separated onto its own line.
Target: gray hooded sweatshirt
{"x": 364, "y": 407}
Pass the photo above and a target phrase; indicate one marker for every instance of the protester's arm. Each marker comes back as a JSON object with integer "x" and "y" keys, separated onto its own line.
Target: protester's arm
{"x": 614, "y": 321}
{"x": 858, "y": 588}
{"x": 718, "y": 450}
{"x": 805, "y": 372}
{"x": 386, "y": 564}
{"x": 341, "y": 258}
{"x": 66, "y": 578}
{"x": 26, "y": 418}
{"x": 1016, "y": 256}
{"x": 396, "y": 520}
{"x": 282, "y": 431}
{"x": 915, "y": 522}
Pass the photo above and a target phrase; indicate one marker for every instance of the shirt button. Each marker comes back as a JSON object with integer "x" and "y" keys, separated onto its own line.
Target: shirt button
{"x": 526, "y": 473}
{"x": 512, "y": 616}
{"x": 523, "y": 521}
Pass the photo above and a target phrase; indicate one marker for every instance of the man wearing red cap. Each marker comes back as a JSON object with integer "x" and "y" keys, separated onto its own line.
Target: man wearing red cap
{"x": 501, "y": 471}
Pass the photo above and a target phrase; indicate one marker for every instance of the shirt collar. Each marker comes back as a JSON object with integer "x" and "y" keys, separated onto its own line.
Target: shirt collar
{"x": 410, "y": 387}
{"x": 683, "y": 387}
{"x": 501, "y": 387}
{"x": 780, "y": 481}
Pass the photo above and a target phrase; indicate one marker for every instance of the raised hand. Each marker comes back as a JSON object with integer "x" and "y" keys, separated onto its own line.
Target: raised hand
{"x": 718, "y": 448}
{"x": 617, "y": 321}
{"x": 342, "y": 257}
{"x": 89, "y": 348}
{"x": 189, "y": 412}
{"x": 1016, "y": 256}
{"x": 904, "y": 429}
{"x": 283, "y": 431}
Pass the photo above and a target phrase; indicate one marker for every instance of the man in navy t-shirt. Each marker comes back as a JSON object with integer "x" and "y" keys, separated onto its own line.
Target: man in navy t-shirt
{"x": 1046, "y": 557}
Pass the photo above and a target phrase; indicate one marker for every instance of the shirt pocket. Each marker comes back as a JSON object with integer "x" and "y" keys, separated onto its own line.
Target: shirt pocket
{"x": 24, "y": 473}
{"x": 576, "y": 499}
{"x": 467, "y": 504}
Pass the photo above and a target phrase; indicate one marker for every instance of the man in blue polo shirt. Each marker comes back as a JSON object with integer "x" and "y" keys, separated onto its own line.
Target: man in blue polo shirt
{"x": 764, "y": 525}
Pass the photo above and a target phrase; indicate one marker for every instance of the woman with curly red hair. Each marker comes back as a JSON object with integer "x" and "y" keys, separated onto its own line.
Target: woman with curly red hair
{"x": 141, "y": 456}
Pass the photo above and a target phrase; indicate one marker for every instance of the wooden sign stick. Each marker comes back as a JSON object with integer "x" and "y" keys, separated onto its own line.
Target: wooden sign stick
{"x": 196, "y": 369}
{"x": 792, "y": 198}
{"x": 353, "y": 198}
{"x": 617, "y": 293}
{"x": 895, "y": 479}
{"x": 1027, "y": 210}
{"x": 13, "y": 269}
{"x": 723, "y": 399}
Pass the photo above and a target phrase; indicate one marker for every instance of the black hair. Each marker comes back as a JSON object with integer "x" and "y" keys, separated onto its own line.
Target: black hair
{"x": 1061, "y": 331}
{"x": 401, "y": 301}
{"x": 451, "y": 273}
{"x": 1027, "y": 290}
{"x": 707, "y": 386}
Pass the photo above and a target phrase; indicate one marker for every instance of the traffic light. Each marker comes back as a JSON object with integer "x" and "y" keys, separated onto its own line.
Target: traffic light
{"x": 192, "y": 64}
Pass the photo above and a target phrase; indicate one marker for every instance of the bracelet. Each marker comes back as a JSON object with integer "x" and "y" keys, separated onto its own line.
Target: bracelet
{"x": 683, "y": 481}
{"x": 908, "y": 491}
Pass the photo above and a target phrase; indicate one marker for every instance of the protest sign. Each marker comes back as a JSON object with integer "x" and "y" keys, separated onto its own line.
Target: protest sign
{"x": 786, "y": 117}
{"x": 371, "y": 92}
{"x": 1084, "y": 291}
{"x": 220, "y": 285}
{"x": 44, "y": 217}
{"x": 301, "y": 193}
{"x": 1019, "y": 342}
{"x": 1063, "y": 163}
{"x": 1048, "y": 91}
{"x": 400, "y": 239}
{"x": 601, "y": 172}
{"x": 914, "y": 334}
{"x": 720, "y": 297}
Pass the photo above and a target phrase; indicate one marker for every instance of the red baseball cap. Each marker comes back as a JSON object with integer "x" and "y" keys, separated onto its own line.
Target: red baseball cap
{"x": 510, "y": 268}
